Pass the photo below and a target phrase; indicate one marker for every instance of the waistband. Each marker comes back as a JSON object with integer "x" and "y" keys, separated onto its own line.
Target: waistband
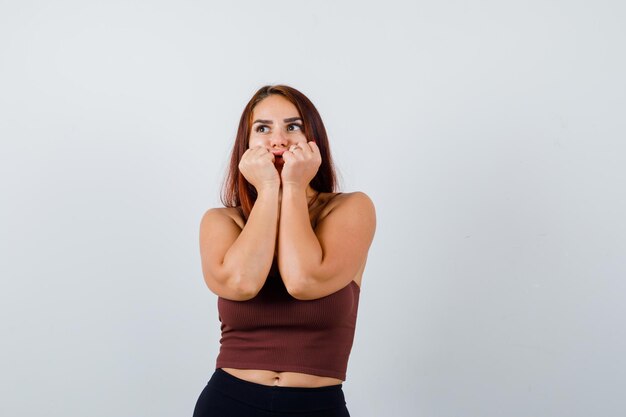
{"x": 276, "y": 398}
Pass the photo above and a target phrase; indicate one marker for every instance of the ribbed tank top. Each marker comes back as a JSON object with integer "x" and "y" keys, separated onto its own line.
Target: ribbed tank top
{"x": 277, "y": 332}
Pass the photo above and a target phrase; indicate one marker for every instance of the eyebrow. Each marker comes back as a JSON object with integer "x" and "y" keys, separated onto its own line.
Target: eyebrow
{"x": 269, "y": 122}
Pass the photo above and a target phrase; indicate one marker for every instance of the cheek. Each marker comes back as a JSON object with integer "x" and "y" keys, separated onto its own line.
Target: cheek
{"x": 254, "y": 141}
{"x": 301, "y": 138}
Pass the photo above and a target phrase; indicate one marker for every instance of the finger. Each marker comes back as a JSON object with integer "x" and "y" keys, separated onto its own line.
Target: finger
{"x": 288, "y": 156}
{"x": 261, "y": 150}
{"x": 258, "y": 153}
{"x": 250, "y": 152}
{"x": 258, "y": 150}
{"x": 304, "y": 150}
{"x": 294, "y": 148}
{"x": 315, "y": 152}
{"x": 313, "y": 145}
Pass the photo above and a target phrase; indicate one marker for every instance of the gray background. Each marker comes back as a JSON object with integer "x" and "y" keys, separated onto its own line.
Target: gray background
{"x": 487, "y": 133}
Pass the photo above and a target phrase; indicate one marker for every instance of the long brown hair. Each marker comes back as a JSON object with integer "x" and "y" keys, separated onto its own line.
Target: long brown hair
{"x": 236, "y": 190}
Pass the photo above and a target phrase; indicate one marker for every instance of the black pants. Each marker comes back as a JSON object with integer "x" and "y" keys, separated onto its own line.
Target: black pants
{"x": 228, "y": 396}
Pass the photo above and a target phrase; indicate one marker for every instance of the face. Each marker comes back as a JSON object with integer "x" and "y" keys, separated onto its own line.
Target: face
{"x": 276, "y": 125}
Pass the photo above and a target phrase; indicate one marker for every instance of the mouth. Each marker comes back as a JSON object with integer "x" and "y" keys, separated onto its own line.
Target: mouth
{"x": 278, "y": 153}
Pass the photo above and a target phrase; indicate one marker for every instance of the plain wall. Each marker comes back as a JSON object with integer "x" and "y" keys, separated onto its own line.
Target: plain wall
{"x": 487, "y": 133}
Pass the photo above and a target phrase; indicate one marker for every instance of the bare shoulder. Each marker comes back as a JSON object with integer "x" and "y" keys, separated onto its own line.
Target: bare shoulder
{"x": 222, "y": 215}
{"x": 357, "y": 203}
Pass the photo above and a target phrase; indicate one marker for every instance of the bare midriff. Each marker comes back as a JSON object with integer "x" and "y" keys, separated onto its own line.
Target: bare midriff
{"x": 282, "y": 379}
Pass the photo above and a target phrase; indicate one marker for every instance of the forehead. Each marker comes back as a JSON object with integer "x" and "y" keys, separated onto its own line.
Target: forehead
{"x": 274, "y": 107}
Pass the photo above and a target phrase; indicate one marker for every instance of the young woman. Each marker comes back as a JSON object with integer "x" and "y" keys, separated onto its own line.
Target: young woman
{"x": 285, "y": 257}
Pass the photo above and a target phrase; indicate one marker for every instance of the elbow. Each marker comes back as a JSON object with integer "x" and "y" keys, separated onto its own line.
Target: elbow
{"x": 243, "y": 288}
{"x": 298, "y": 288}
{"x": 235, "y": 288}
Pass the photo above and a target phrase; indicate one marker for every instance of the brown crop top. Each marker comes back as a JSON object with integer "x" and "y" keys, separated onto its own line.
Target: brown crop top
{"x": 277, "y": 332}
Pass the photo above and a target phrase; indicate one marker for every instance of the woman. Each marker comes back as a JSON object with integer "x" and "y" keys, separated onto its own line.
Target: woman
{"x": 285, "y": 257}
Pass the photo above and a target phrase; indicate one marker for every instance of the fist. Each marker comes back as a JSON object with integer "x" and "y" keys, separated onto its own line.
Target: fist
{"x": 301, "y": 164}
{"x": 257, "y": 167}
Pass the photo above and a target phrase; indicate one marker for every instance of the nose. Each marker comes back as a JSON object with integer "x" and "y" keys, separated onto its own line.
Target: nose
{"x": 279, "y": 140}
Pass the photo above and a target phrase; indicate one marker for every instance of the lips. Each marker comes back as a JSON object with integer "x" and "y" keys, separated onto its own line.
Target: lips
{"x": 278, "y": 153}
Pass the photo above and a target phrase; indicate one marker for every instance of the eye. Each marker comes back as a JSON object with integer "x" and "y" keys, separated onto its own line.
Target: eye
{"x": 261, "y": 128}
{"x": 293, "y": 127}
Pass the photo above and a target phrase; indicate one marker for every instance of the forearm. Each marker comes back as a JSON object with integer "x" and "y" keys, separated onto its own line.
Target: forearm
{"x": 250, "y": 257}
{"x": 299, "y": 251}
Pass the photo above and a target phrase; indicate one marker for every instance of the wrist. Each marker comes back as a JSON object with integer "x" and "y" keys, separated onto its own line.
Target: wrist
{"x": 293, "y": 191}
{"x": 293, "y": 187}
{"x": 268, "y": 188}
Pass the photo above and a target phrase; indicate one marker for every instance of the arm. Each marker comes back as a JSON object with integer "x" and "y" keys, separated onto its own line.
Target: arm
{"x": 235, "y": 260}
{"x": 316, "y": 263}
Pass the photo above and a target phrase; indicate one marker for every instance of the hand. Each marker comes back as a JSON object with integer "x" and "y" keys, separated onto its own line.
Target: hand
{"x": 257, "y": 166}
{"x": 301, "y": 164}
